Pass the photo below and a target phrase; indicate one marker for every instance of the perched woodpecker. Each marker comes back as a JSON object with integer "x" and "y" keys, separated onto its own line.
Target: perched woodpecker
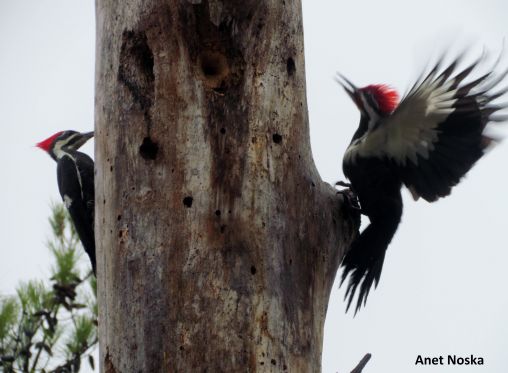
{"x": 427, "y": 142}
{"x": 75, "y": 175}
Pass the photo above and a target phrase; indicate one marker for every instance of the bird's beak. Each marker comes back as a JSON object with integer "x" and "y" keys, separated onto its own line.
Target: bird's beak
{"x": 83, "y": 138}
{"x": 87, "y": 135}
{"x": 350, "y": 88}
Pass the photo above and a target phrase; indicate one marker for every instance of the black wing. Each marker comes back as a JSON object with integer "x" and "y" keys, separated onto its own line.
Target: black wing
{"x": 75, "y": 173}
{"x": 439, "y": 128}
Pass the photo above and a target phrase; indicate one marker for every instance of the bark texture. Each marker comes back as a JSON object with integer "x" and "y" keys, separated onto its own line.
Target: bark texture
{"x": 218, "y": 243}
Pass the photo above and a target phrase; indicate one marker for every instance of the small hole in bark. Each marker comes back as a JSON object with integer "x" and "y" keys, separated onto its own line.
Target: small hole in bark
{"x": 285, "y": 367}
{"x": 148, "y": 149}
{"x": 290, "y": 261}
{"x": 277, "y": 138}
{"x": 187, "y": 201}
{"x": 222, "y": 228}
{"x": 290, "y": 66}
{"x": 313, "y": 185}
{"x": 214, "y": 67}
{"x": 119, "y": 217}
{"x": 217, "y": 212}
{"x": 213, "y": 64}
{"x": 262, "y": 363}
{"x": 111, "y": 168}
{"x": 223, "y": 130}
{"x": 253, "y": 270}
{"x": 181, "y": 348}
{"x": 274, "y": 362}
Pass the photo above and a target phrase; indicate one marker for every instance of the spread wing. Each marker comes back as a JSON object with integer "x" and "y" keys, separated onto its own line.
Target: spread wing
{"x": 436, "y": 134}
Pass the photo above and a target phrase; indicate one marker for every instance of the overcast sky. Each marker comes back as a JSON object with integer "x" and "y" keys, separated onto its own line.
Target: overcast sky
{"x": 443, "y": 287}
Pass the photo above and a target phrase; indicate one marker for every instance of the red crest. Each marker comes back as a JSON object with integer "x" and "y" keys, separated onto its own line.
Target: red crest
{"x": 46, "y": 144}
{"x": 386, "y": 97}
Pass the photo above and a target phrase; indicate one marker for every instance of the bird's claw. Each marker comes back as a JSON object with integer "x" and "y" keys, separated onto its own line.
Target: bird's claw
{"x": 343, "y": 184}
{"x": 350, "y": 197}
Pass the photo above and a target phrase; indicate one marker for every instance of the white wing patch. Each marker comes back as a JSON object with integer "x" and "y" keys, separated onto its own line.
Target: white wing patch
{"x": 412, "y": 129}
{"x": 67, "y": 201}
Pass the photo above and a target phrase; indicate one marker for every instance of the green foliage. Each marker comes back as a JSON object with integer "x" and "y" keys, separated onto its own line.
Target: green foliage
{"x": 51, "y": 326}
{"x": 9, "y": 310}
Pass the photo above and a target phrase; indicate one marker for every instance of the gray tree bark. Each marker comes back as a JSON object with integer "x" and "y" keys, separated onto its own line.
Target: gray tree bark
{"x": 218, "y": 243}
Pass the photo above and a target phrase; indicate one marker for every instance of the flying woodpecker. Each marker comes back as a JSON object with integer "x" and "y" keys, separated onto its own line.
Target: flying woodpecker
{"x": 428, "y": 141}
{"x": 75, "y": 175}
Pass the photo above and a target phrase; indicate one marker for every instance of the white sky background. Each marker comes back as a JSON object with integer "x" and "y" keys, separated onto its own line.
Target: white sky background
{"x": 443, "y": 287}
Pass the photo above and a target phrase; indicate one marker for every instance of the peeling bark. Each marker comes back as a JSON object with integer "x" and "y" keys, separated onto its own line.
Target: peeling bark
{"x": 218, "y": 243}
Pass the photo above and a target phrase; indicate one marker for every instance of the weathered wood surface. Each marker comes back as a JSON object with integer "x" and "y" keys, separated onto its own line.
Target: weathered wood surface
{"x": 218, "y": 243}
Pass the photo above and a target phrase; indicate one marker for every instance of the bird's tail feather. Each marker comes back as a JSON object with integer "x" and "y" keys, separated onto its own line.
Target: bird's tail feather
{"x": 364, "y": 261}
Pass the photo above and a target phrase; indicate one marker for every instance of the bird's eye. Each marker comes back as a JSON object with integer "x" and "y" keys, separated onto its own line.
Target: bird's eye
{"x": 371, "y": 100}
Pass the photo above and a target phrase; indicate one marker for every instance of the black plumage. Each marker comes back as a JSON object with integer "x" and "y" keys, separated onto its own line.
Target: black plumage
{"x": 75, "y": 175}
{"x": 427, "y": 142}
{"x": 81, "y": 209}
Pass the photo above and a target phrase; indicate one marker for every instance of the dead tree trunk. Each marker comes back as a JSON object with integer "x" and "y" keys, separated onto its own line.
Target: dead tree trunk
{"x": 218, "y": 242}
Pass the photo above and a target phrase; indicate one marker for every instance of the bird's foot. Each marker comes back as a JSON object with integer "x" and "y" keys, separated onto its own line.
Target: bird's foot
{"x": 350, "y": 197}
{"x": 343, "y": 184}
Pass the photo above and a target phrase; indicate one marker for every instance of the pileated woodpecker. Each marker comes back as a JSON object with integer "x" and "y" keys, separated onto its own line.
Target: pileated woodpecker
{"x": 75, "y": 175}
{"x": 427, "y": 142}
